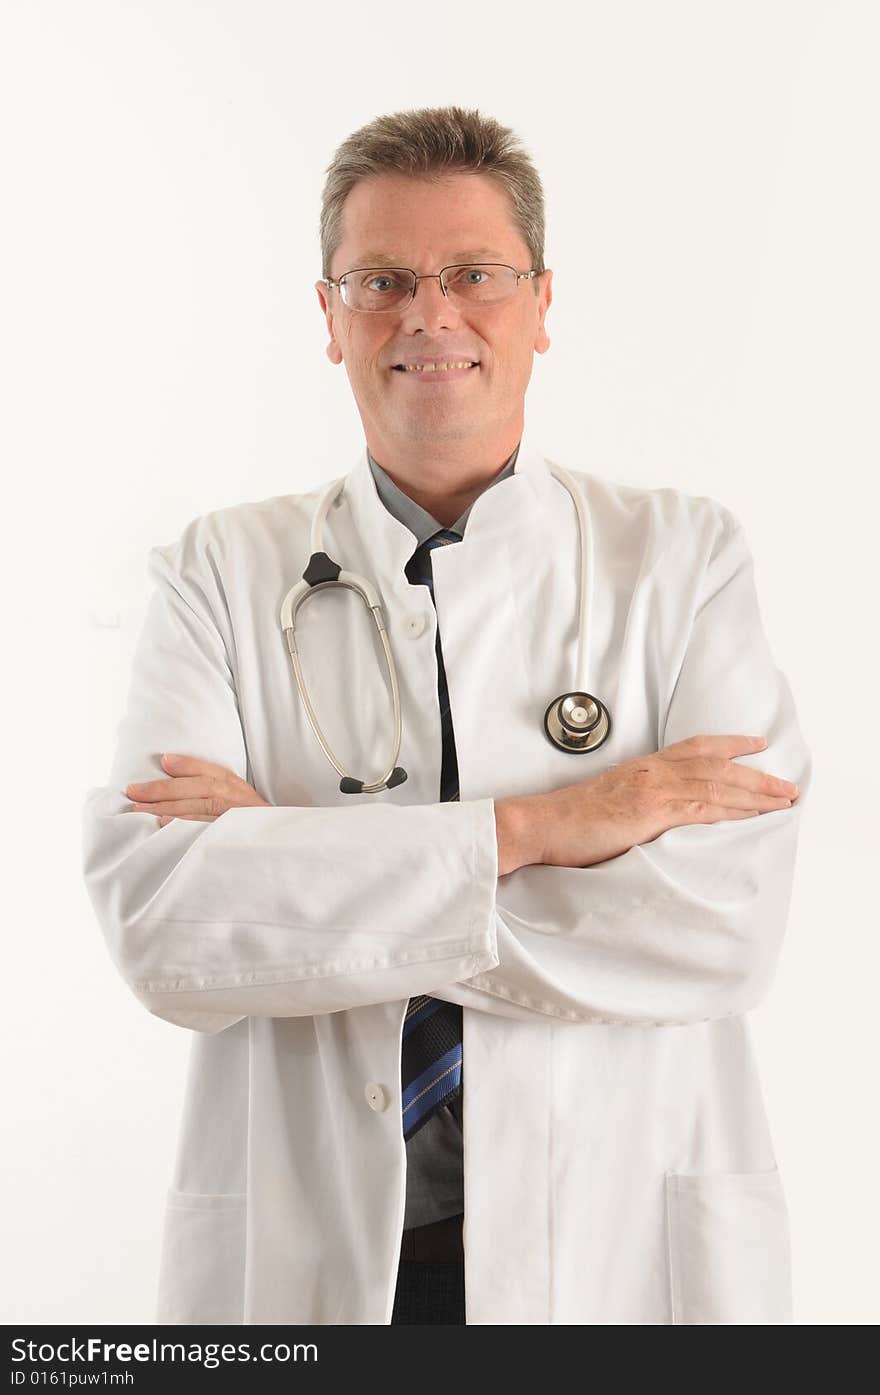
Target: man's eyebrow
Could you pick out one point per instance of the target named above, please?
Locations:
(368, 259)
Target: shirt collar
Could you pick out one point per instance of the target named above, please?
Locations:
(421, 523)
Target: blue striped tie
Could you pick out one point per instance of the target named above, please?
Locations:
(431, 1056)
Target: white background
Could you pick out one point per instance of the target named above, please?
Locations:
(711, 183)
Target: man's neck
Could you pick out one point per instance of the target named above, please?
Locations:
(443, 486)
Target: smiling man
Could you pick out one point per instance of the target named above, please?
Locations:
(442, 435)
(471, 1040)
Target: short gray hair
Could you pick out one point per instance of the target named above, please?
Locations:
(429, 143)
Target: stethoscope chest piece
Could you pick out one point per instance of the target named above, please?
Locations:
(577, 722)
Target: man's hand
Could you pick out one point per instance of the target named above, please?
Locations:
(690, 781)
(195, 789)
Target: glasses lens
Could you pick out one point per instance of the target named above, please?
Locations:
(383, 288)
(390, 288)
(480, 285)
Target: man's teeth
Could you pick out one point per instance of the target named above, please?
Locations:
(435, 367)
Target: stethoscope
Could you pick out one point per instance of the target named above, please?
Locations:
(575, 722)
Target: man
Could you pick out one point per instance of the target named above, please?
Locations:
(473, 1047)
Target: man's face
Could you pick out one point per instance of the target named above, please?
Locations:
(426, 226)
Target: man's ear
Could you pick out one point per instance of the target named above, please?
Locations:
(333, 351)
(545, 296)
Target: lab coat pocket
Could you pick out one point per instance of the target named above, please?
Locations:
(729, 1247)
(201, 1276)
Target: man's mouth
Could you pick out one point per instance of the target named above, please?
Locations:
(446, 367)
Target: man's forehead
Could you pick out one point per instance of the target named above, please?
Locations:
(373, 242)
(370, 257)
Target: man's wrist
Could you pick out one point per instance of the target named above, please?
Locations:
(519, 824)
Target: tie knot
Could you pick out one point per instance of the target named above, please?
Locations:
(443, 535)
(418, 567)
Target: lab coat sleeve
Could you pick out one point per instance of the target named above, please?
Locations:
(689, 926)
(277, 911)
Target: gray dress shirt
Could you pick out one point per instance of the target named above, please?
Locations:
(434, 1155)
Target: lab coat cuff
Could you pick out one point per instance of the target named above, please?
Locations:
(485, 885)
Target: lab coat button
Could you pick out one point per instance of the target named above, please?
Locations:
(414, 625)
(377, 1096)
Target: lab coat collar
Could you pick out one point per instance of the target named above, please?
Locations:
(519, 503)
(421, 523)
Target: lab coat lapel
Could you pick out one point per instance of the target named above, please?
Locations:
(506, 603)
(377, 545)
(506, 600)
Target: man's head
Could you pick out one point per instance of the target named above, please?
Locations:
(421, 190)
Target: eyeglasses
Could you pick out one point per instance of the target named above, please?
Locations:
(385, 288)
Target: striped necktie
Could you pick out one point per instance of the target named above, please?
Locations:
(431, 1056)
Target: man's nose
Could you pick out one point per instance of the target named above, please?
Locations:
(429, 306)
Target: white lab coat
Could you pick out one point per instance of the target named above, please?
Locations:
(618, 1166)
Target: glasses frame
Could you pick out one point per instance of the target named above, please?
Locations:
(330, 282)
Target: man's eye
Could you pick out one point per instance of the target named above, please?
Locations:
(388, 280)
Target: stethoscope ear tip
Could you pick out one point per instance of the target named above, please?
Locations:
(348, 784)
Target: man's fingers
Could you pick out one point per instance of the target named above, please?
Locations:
(171, 789)
(727, 774)
(180, 808)
(725, 746)
(728, 795)
(195, 788)
(194, 765)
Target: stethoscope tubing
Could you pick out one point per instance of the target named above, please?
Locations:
(295, 598)
(585, 586)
